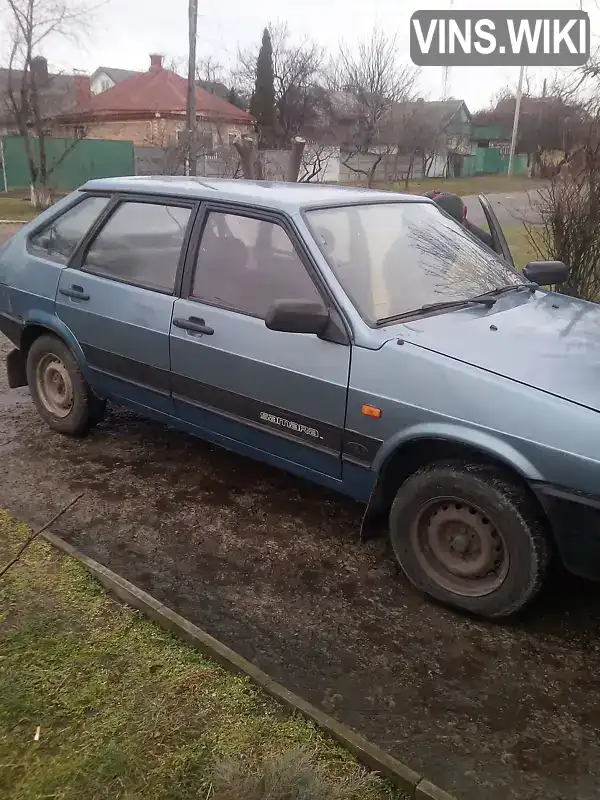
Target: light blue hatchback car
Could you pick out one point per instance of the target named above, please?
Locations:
(362, 340)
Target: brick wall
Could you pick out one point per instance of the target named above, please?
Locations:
(153, 132)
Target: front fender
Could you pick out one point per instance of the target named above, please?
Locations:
(484, 441)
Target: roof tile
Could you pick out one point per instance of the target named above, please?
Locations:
(158, 91)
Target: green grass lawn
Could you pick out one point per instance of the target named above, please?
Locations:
(16, 207)
(480, 184)
(125, 710)
(521, 248)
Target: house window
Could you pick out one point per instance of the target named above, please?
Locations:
(105, 85)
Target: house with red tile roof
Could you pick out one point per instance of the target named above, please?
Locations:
(57, 92)
(149, 109)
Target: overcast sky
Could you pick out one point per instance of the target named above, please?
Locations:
(126, 31)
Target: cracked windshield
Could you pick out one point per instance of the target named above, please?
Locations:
(393, 258)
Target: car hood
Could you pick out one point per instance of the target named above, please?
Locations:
(545, 340)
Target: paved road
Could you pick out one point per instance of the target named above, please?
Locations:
(510, 209)
(273, 567)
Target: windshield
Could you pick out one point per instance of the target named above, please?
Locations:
(393, 258)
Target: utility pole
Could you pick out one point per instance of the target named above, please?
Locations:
(191, 90)
(447, 70)
(515, 131)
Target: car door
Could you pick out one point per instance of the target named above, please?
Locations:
(117, 298)
(500, 244)
(282, 394)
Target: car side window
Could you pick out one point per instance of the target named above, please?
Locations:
(140, 244)
(58, 240)
(245, 264)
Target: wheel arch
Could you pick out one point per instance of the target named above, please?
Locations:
(32, 330)
(404, 455)
(50, 324)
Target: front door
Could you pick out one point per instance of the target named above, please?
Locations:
(118, 300)
(281, 394)
(498, 238)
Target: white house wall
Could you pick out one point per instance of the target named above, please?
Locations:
(99, 83)
(439, 166)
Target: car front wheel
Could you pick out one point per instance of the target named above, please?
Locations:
(469, 537)
(58, 388)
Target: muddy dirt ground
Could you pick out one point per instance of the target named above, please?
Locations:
(273, 567)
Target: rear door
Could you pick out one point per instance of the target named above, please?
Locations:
(500, 244)
(117, 298)
(280, 393)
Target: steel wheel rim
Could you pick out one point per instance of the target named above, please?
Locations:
(54, 386)
(459, 547)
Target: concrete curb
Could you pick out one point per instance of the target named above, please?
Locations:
(366, 753)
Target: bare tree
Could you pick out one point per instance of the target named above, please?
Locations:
(375, 81)
(176, 64)
(210, 71)
(368, 83)
(31, 102)
(315, 160)
(419, 137)
(296, 73)
(569, 209)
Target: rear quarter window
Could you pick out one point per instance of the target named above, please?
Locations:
(58, 239)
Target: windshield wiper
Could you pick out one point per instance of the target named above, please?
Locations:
(486, 299)
(441, 306)
(494, 294)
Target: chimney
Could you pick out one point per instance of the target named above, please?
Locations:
(156, 62)
(39, 70)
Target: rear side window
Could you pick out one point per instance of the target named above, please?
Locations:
(140, 244)
(58, 240)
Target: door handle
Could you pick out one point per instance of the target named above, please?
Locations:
(76, 292)
(193, 324)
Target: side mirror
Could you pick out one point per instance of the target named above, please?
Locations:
(297, 316)
(546, 273)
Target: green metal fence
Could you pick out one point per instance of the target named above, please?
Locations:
(491, 160)
(71, 162)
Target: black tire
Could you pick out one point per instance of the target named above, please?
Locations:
(494, 521)
(84, 409)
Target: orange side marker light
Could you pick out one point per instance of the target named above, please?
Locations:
(371, 411)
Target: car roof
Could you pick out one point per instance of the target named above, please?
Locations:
(269, 194)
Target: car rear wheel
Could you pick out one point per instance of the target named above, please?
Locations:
(60, 392)
(469, 537)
